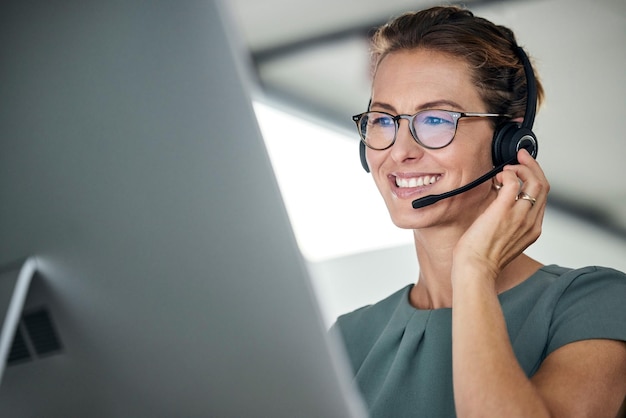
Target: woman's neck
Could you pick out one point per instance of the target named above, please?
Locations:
(434, 249)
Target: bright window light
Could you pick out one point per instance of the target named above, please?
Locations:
(334, 206)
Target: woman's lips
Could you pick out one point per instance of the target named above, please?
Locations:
(404, 185)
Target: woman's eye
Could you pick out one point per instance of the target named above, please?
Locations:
(382, 121)
(436, 121)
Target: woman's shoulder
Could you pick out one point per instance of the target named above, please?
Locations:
(364, 325)
(375, 314)
(600, 287)
(586, 303)
(559, 271)
(563, 280)
(560, 289)
(553, 281)
(360, 329)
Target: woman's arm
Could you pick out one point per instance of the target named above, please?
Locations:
(581, 379)
(586, 378)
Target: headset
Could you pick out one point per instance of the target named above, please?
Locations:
(508, 139)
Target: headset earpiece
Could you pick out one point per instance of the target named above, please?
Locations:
(363, 157)
(511, 136)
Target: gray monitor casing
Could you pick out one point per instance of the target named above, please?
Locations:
(134, 176)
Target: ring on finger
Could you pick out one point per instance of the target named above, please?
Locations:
(526, 196)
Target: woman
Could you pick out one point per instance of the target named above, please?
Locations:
(486, 330)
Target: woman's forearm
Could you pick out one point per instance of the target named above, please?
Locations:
(488, 380)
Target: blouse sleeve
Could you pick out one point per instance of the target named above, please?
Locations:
(591, 306)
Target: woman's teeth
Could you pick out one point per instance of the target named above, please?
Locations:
(416, 181)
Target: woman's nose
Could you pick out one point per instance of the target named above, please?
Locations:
(405, 147)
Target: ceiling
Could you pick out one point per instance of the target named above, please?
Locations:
(311, 57)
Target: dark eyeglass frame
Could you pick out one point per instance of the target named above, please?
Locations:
(456, 116)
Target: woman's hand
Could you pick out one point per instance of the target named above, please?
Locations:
(510, 224)
(488, 380)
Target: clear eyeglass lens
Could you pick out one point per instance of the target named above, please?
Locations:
(378, 129)
(435, 128)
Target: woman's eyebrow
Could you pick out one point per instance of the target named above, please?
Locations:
(385, 106)
(439, 103)
(435, 104)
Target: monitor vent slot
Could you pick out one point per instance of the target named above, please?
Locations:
(19, 350)
(41, 332)
(35, 337)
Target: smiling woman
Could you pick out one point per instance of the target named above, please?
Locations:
(485, 330)
(456, 159)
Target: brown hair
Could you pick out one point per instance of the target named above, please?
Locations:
(489, 49)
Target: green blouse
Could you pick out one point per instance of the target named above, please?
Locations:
(402, 357)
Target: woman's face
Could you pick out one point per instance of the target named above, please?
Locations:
(405, 83)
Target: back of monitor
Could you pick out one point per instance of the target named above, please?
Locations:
(134, 179)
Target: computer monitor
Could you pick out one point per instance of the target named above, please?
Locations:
(139, 205)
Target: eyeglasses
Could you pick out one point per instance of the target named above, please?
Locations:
(431, 128)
